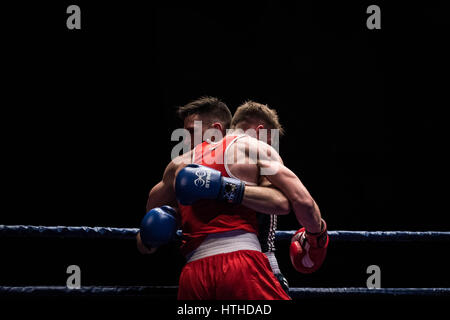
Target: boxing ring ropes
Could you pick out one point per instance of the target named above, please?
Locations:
(82, 232)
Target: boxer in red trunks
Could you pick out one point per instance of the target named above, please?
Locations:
(208, 113)
(212, 113)
(224, 259)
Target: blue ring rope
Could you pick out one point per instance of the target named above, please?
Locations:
(130, 233)
(172, 290)
(87, 290)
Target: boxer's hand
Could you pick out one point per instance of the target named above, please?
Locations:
(308, 251)
(195, 182)
(158, 227)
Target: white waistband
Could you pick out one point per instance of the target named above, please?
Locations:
(225, 242)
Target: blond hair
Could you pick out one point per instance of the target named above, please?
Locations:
(252, 111)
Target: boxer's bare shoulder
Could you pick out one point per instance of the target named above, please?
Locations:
(253, 147)
(240, 162)
(246, 155)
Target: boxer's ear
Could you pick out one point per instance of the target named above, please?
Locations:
(257, 130)
(218, 126)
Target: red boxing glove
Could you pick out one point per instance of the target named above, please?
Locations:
(308, 250)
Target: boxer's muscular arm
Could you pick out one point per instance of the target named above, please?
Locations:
(270, 165)
(160, 195)
(163, 193)
(265, 198)
(305, 208)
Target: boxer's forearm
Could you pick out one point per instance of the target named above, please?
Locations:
(306, 210)
(265, 200)
(308, 215)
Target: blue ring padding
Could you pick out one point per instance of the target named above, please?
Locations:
(130, 233)
(172, 290)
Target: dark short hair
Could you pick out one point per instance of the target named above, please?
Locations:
(210, 106)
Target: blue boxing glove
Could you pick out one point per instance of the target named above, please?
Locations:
(158, 226)
(195, 182)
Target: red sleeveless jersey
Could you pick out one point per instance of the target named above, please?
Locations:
(206, 217)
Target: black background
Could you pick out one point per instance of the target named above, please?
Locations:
(87, 116)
